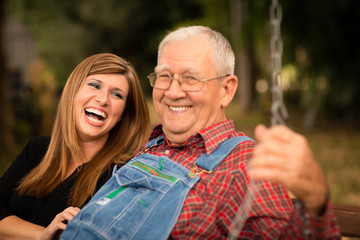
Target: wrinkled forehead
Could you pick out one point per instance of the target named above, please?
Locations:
(192, 55)
(167, 68)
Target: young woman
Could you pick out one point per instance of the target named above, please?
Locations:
(101, 121)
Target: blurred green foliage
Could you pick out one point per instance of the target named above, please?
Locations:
(69, 31)
(320, 58)
(319, 38)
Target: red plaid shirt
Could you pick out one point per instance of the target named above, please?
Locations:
(213, 202)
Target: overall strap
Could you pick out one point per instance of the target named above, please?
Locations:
(210, 162)
(155, 141)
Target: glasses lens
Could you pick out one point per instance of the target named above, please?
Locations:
(191, 83)
(188, 82)
(152, 78)
(162, 81)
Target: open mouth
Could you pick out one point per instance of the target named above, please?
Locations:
(95, 115)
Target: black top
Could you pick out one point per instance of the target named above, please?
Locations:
(40, 211)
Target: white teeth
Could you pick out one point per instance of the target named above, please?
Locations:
(178, 109)
(95, 120)
(95, 111)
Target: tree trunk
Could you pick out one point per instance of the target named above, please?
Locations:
(242, 53)
(7, 143)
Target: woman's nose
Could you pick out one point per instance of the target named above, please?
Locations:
(102, 98)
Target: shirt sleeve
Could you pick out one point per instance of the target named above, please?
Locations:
(29, 157)
(303, 225)
(269, 213)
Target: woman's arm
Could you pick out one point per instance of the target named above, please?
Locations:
(29, 157)
(13, 227)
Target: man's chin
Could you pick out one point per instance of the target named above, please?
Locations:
(178, 135)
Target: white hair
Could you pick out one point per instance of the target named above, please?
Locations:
(223, 59)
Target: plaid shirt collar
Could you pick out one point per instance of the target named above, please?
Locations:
(211, 137)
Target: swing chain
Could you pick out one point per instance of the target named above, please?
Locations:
(278, 112)
(278, 109)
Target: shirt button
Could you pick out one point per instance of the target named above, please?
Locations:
(167, 151)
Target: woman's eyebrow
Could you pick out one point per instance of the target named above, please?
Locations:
(95, 79)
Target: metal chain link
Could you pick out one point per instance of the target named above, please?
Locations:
(278, 109)
(278, 112)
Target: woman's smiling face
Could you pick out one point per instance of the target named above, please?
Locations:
(99, 105)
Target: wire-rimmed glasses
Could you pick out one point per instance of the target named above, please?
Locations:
(188, 82)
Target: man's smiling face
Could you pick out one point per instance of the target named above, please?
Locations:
(185, 113)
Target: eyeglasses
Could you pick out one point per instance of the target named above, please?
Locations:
(188, 82)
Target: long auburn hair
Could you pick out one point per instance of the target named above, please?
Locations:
(124, 139)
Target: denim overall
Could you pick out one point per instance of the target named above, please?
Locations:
(143, 199)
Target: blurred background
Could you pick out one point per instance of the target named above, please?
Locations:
(42, 41)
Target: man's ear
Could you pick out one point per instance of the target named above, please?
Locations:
(229, 86)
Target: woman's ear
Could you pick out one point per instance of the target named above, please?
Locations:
(229, 86)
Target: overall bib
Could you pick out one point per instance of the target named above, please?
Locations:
(143, 199)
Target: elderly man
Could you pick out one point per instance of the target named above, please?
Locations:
(196, 171)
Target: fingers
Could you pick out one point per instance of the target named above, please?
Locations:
(275, 146)
(59, 222)
(259, 131)
(72, 211)
(283, 151)
(279, 132)
(285, 157)
(65, 216)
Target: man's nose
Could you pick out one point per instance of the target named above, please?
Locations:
(175, 89)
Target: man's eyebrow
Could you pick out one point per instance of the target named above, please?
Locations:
(166, 67)
(161, 67)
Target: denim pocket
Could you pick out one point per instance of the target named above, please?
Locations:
(141, 175)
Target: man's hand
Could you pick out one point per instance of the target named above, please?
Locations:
(285, 157)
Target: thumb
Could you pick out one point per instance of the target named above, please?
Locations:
(259, 131)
